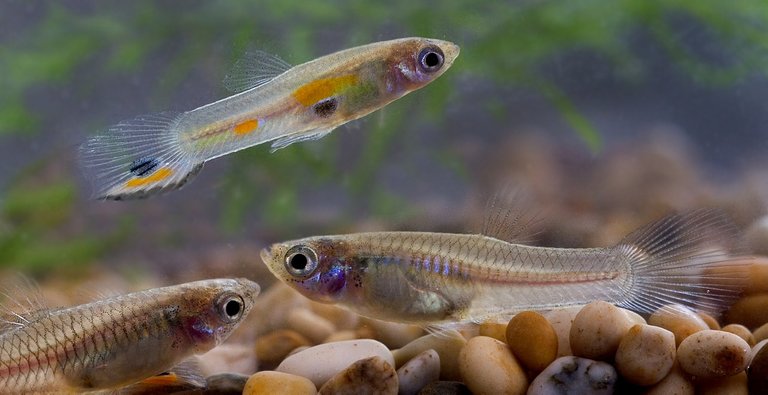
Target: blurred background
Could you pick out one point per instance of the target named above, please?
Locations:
(609, 114)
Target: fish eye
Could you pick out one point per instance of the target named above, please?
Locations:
(230, 307)
(431, 59)
(300, 261)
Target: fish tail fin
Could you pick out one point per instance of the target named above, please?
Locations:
(137, 158)
(691, 259)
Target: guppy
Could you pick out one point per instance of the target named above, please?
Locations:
(120, 340)
(438, 278)
(276, 102)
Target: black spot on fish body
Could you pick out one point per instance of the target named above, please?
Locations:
(326, 107)
(143, 166)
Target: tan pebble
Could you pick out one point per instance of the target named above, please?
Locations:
(597, 331)
(393, 334)
(679, 320)
(756, 236)
(270, 382)
(223, 383)
(740, 331)
(447, 344)
(340, 336)
(228, 358)
(340, 318)
(757, 375)
(488, 367)
(758, 276)
(365, 332)
(321, 362)
(561, 320)
(372, 375)
(532, 340)
(711, 353)
(297, 350)
(675, 383)
(709, 320)
(276, 345)
(418, 372)
(755, 349)
(309, 324)
(750, 311)
(634, 317)
(646, 354)
(761, 333)
(729, 385)
(274, 305)
(493, 329)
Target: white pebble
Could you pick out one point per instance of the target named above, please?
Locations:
(321, 362)
(561, 320)
(418, 372)
(574, 375)
(646, 354)
(597, 331)
(710, 353)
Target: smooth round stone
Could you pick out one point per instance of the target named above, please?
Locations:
(275, 346)
(755, 349)
(711, 353)
(445, 388)
(269, 382)
(574, 375)
(372, 375)
(561, 320)
(646, 354)
(321, 362)
(709, 320)
(757, 373)
(312, 326)
(730, 385)
(634, 317)
(274, 305)
(488, 367)
(758, 275)
(740, 331)
(676, 382)
(597, 331)
(493, 329)
(418, 372)
(228, 358)
(750, 311)
(761, 333)
(393, 334)
(447, 344)
(342, 335)
(679, 320)
(756, 236)
(532, 340)
(340, 318)
(225, 383)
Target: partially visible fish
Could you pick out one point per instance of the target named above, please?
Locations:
(439, 278)
(120, 340)
(276, 102)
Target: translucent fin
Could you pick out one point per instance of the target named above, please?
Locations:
(509, 217)
(285, 141)
(137, 158)
(21, 303)
(690, 259)
(185, 376)
(254, 69)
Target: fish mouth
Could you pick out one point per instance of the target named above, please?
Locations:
(266, 255)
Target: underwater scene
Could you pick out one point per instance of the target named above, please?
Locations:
(498, 197)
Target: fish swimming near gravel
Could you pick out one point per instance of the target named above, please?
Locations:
(118, 341)
(440, 278)
(274, 102)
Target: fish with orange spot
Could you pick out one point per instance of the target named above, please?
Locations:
(274, 102)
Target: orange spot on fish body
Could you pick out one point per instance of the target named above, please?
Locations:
(312, 92)
(246, 126)
(161, 379)
(159, 175)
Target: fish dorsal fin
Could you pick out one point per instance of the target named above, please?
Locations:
(21, 302)
(308, 135)
(509, 216)
(254, 69)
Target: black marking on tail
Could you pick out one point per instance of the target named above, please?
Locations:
(143, 166)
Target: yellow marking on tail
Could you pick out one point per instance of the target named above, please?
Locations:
(159, 175)
(162, 379)
(247, 126)
(310, 93)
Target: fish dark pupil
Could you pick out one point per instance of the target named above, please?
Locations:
(432, 60)
(143, 166)
(232, 308)
(325, 108)
(299, 262)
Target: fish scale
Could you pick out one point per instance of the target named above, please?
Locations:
(120, 340)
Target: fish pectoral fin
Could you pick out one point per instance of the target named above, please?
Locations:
(254, 69)
(308, 135)
(186, 376)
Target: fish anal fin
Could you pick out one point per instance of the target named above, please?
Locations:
(309, 135)
(254, 69)
(186, 376)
